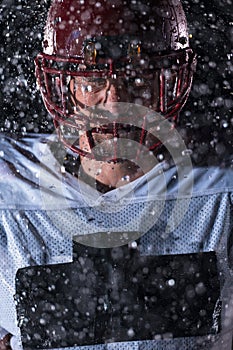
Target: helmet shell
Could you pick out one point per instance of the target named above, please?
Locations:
(160, 25)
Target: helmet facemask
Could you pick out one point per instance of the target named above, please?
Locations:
(71, 86)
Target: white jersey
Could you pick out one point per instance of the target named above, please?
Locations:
(42, 207)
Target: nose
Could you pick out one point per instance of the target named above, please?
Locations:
(117, 92)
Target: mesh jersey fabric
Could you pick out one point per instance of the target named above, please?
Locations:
(37, 224)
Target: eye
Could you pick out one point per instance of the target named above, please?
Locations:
(95, 81)
(89, 84)
(93, 85)
(139, 82)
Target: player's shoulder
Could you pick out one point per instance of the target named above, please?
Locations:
(169, 181)
(29, 172)
(20, 155)
(31, 166)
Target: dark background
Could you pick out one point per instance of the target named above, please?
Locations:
(208, 112)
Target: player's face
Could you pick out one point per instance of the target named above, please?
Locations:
(91, 91)
(94, 91)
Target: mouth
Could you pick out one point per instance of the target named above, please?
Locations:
(113, 131)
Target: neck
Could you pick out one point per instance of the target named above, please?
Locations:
(111, 174)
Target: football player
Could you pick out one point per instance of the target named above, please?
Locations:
(114, 75)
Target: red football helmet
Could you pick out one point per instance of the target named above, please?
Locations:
(140, 49)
